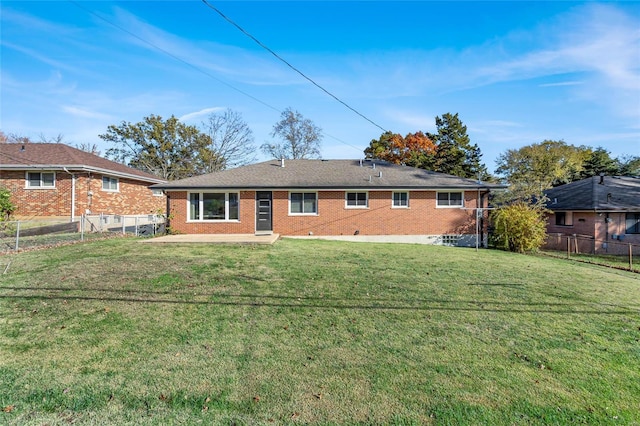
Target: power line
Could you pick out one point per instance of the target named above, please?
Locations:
(289, 65)
(166, 52)
(200, 70)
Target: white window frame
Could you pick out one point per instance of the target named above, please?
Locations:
(346, 200)
(393, 200)
(156, 192)
(303, 213)
(111, 180)
(200, 213)
(41, 181)
(449, 206)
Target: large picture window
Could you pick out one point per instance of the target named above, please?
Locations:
(450, 199)
(303, 203)
(357, 200)
(41, 180)
(633, 223)
(214, 206)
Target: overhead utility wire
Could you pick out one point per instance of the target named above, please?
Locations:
(190, 65)
(289, 65)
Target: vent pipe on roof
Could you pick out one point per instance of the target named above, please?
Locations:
(374, 165)
(361, 162)
(282, 162)
(369, 178)
(380, 174)
(22, 148)
(601, 178)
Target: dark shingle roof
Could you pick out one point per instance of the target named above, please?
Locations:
(325, 174)
(56, 156)
(597, 193)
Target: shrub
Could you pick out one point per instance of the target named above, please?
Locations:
(6, 206)
(519, 227)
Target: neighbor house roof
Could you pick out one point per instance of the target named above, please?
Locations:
(325, 174)
(601, 193)
(56, 156)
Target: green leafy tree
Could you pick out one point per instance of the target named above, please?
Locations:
(534, 168)
(629, 165)
(519, 227)
(300, 137)
(6, 206)
(168, 148)
(455, 155)
(599, 161)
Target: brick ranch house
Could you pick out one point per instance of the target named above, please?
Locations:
(56, 181)
(602, 211)
(329, 198)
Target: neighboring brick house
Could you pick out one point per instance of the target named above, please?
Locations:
(329, 198)
(55, 181)
(602, 211)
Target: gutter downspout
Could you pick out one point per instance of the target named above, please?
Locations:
(73, 194)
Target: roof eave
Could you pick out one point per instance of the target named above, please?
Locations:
(81, 168)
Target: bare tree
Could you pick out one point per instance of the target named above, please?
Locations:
(59, 138)
(91, 148)
(300, 137)
(232, 142)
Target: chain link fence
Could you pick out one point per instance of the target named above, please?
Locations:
(18, 236)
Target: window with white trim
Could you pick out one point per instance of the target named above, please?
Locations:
(303, 203)
(355, 200)
(109, 183)
(400, 199)
(214, 206)
(632, 222)
(41, 180)
(156, 192)
(450, 199)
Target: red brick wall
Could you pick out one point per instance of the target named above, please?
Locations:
(594, 225)
(132, 198)
(421, 218)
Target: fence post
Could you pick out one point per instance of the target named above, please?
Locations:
(630, 257)
(124, 224)
(17, 235)
(568, 247)
(82, 219)
(136, 222)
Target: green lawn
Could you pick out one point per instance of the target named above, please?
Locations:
(314, 332)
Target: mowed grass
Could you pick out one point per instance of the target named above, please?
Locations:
(314, 332)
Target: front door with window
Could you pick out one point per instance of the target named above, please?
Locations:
(263, 211)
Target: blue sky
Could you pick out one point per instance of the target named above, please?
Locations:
(517, 73)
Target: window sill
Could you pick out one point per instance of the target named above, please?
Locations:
(40, 188)
(214, 221)
(303, 214)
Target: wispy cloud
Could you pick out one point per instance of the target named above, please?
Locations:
(199, 114)
(85, 113)
(562, 84)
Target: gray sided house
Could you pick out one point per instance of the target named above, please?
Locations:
(605, 209)
(329, 198)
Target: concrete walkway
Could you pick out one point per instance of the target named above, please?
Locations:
(215, 239)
